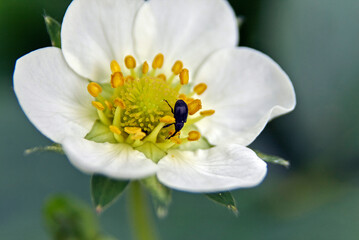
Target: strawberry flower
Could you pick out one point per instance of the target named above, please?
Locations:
(101, 96)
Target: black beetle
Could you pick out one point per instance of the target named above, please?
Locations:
(180, 113)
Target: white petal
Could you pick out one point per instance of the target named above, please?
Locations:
(52, 96)
(96, 32)
(114, 160)
(184, 30)
(246, 89)
(221, 168)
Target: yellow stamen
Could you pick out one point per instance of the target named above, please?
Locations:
(184, 76)
(108, 104)
(119, 103)
(138, 136)
(193, 136)
(162, 76)
(194, 106)
(130, 62)
(132, 130)
(183, 97)
(145, 68)
(176, 140)
(177, 67)
(200, 88)
(94, 89)
(158, 61)
(207, 113)
(115, 129)
(98, 105)
(115, 67)
(189, 100)
(168, 119)
(117, 80)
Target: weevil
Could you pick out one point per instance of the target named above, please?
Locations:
(180, 113)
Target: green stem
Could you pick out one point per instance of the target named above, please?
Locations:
(141, 219)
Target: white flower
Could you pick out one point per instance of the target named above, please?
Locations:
(245, 88)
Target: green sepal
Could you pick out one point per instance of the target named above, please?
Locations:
(70, 218)
(272, 159)
(151, 151)
(225, 199)
(54, 30)
(161, 195)
(105, 191)
(57, 148)
(100, 133)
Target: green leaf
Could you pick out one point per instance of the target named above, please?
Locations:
(151, 151)
(161, 195)
(272, 159)
(224, 198)
(105, 191)
(68, 218)
(54, 30)
(52, 148)
(100, 133)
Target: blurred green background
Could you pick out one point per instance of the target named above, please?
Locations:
(316, 43)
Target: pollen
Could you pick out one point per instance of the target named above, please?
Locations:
(130, 62)
(115, 129)
(184, 76)
(194, 106)
(167, 119)
(145, 68)
(115, 67)
(158, 61)
(117, 80)
(94, 89)
(207, 113)
(132, 130)
(98, 105)
(194, 136)
(177, 67)
(119, 103)
(200, 88)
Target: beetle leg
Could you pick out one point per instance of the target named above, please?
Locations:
(168, 105)
(168, 125)
(172, 135)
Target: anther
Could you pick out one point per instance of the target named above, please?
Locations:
(115, 67)
(98, 105)
(115, 129)
(158, 61)
(193, 136)
(194, 106)
(132, 130)
(162, 76)
(207, 113)
(117, 80)
(108, 104)
(176, 140)
(94, 89)
(119, 103)
(130, 62)
(168, 119)
(138, 136)
(182, 97)
(200, 88)
(177, 67)
(145, 68)
(184, 76)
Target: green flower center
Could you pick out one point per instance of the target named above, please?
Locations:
(132, 108)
